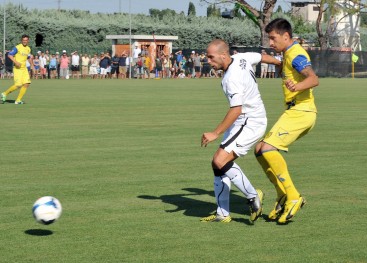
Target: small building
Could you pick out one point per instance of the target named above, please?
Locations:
(154, 44)
(307, 10)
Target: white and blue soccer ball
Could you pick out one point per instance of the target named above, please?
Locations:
(46, 210)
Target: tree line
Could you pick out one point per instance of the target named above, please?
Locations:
(57, 30)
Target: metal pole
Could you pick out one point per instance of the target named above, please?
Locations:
(130, 56)
(4, 30)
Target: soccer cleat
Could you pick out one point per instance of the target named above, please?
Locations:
(3, 97)
(216, 218)
(256, 205)
(290, 209)
(278, 208)
(19, 102)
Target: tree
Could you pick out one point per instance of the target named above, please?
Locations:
(262, 16)
(333, 12)
(161, 13)
(192, 10)
(212, 10)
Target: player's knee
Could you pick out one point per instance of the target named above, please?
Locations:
(219, 169)
(257, 150)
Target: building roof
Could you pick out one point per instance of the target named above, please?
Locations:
(142, 37)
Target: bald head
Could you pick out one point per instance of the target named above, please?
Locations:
(220, 45)
(218, 54)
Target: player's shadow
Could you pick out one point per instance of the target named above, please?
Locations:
(38, 232)
(190, 205)
(8, 101)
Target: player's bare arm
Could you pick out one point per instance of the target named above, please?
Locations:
(309, 82)
(228, 120)
(16, 63)
(265, 58)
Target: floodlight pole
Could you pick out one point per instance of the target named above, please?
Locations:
(4, 30)
(130, 55)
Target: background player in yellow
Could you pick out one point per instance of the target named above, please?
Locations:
(19, 55)
(298, 119)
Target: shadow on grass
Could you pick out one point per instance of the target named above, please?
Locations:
(38, 232)
(8, 101)
(191, 206)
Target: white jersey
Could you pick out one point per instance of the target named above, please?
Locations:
(240, 85)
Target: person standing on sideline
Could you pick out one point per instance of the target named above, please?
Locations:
(75, 62)
(264, 67)
(243, 125)
(19, 55)
(297, 120)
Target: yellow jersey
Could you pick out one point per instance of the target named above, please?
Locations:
(21, 54)
(295, 60)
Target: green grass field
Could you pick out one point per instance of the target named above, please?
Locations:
(124, 159)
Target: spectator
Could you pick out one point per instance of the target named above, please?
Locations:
(181, 75)
(85, 65)
(123, 65)
(75, 60)
(271, 68)
(53, 67)
(197, 65)
(136, 53)
(47, 65)
(279, 57)
(264, 66)
(8, 66)
(189, 65)
(42, 60)
(139, 67)
(166, 66)
(158, 67)
(36, 67)
(173, 68)
(104, 64)
(179, 58)
(2, 66)
(144, 52)
(115, 66)
(58, 64)
(206, 67)
(64, 65)
(147, 65)
(93, 71)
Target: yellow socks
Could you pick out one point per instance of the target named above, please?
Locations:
(277, 167)
(272, 177)
(22, 91)
(10, 90)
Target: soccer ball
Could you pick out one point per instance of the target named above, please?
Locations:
(46, 210)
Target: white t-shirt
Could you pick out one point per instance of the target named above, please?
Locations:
(75, 60)
(136, 52)
(240, 85)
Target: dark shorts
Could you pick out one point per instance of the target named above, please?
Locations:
(114, 70)
(74, 68)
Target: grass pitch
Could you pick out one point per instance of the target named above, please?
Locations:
(124, 159)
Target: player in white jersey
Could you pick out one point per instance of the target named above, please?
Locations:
(243, 125)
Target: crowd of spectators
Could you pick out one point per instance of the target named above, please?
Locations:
(48, 65)
(66, 65)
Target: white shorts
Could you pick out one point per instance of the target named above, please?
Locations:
(103, 71)
(93, 70)
(243, 134)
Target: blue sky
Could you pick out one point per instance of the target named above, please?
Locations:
(137, 6)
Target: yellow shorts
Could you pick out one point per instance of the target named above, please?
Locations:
(21, 76)
(291, 126)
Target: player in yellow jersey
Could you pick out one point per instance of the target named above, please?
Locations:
(297, 120)
(19, 55)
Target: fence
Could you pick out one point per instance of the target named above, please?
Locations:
(328, 63)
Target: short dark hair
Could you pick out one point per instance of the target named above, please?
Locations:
(25, 36)
(280, 26)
